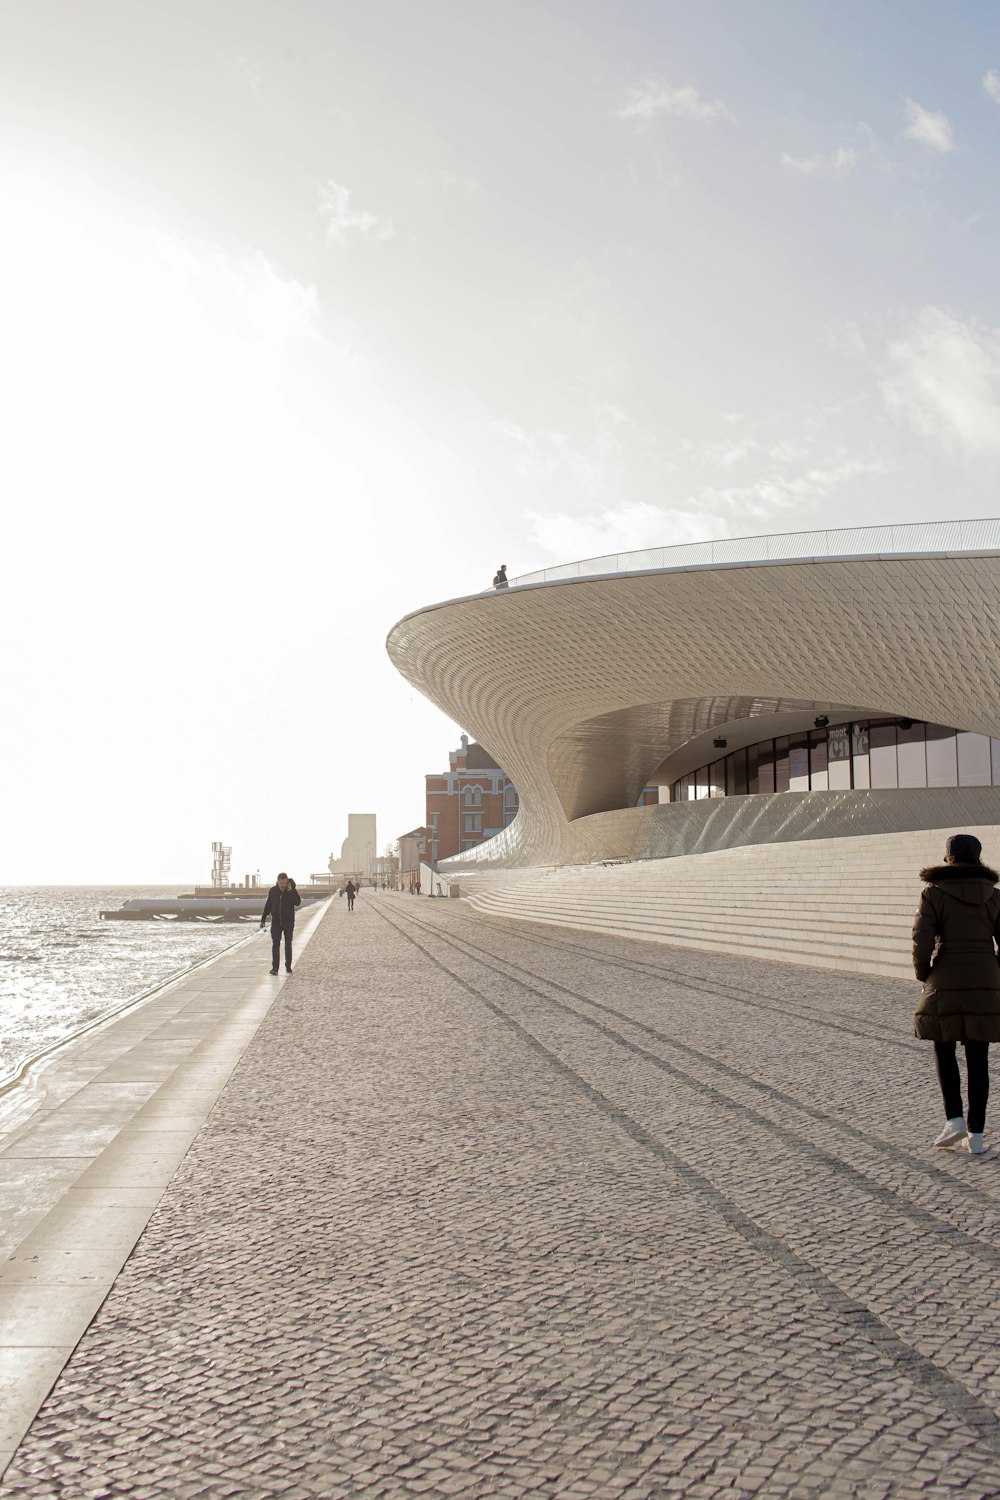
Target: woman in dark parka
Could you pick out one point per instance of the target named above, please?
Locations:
(956, 933)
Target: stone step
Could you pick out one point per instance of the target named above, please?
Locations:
(845, 904)
(792, 933)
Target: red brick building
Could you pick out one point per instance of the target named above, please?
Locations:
(469, 803)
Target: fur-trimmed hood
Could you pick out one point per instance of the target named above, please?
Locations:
(940, 874)
(971, 884)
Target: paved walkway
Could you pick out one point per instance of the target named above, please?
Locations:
(489, 1209)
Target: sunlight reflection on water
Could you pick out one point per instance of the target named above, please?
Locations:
(61, 966)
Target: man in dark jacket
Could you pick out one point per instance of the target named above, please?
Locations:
(282, 899)
(956, 933)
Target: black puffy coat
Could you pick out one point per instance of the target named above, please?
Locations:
(955, 937)
(281, 906)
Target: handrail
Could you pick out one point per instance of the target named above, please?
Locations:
(908, 539)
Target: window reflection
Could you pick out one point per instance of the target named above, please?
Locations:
(882, 756)
(753, 769)
(942, 756)
(911, 754)
(860, 760)
(781, 765)
(973, 759)
(739, 764)
(880, 753)
(798, 763)
(818, 761)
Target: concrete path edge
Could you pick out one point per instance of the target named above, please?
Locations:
(102, 1197)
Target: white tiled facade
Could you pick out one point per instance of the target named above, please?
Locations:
(581, 689)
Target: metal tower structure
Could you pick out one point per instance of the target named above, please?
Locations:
(222, 858)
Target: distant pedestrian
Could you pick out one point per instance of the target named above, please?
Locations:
(500, 577)
(956, 934)
(282, 899)
(352, 891)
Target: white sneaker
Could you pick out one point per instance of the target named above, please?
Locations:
(953, 1132)
(975, 1144)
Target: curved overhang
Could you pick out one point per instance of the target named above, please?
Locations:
(586, 689)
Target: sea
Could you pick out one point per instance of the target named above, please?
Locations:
(61, 966)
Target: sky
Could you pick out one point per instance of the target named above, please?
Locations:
(313, 312)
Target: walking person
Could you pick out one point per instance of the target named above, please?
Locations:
(282, 899)
(956, 934)
(351, 891)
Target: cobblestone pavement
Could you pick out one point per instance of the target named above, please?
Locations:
(492, 1210)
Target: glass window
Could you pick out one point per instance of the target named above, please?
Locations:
(942, 758)
(882, 753)
(839, 757)
(839, 775)
(860, 769)
(753, 778)
(701, 782)
(973, 759)
(911, 756)
(839, 741)
(717, 779)
(739, 760)
(765, 766)
(781, 764)
(798, 763)
(819, 779)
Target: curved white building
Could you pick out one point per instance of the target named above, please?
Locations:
(777, 688)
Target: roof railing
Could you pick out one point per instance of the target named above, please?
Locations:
(940, 538)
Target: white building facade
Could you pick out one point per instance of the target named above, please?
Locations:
(774, 688)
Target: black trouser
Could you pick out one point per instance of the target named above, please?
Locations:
(977, 1063)
(276, 933)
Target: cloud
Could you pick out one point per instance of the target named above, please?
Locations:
(837, 164)
(440, 179)
(563, 537)
(991, 85)
(648, 100)
(944, 378)
(786, 485)
(343, 220)
(930, 127)
(247, 71)
(844, 336)
(549, 458)
(774, 501)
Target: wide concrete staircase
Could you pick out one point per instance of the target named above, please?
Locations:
(845, 903)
